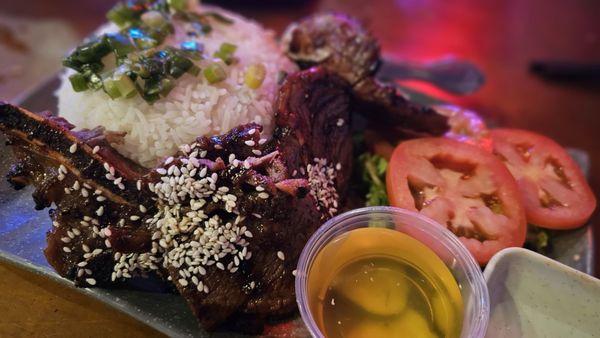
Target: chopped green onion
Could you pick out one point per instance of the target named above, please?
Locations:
(120, 45)
(225, 52)
(194, 70)
(166, 85)
(255, 75)
(78, 82)
(228, 48)
(110, 87)
(153, 19)
(178, 5)
(178, 65)
(121, 15)
(124, 85)
(214, 73)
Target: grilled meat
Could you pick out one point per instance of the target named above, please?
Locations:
(343, 46)
(224, 219)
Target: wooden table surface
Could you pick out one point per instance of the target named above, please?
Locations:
(501, 36)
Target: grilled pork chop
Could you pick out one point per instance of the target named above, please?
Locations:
(224, 219)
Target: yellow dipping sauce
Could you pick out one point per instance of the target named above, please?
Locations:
(378, 282)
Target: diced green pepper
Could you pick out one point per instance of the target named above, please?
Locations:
(78, 82)
(214, 73)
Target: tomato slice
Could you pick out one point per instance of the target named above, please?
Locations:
(462, 187)
(466, 126)
(553, 188)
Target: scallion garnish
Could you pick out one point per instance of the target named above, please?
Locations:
(225, 52)
(214, 73)
(178, 5)
(122, 15)
(78, 82)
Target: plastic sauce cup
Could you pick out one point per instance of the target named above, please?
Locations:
(441, 241)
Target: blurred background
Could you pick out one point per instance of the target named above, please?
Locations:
(502, 37)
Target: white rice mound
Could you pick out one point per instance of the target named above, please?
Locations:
(194, 107)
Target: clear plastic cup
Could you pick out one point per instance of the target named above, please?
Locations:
(441, 241)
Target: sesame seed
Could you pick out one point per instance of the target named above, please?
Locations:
(183, 282)
(66, 249)
(107, 243)
(61, 177)
(138, 184)
(256, 152)
(109, 176)
(121, 186)
(134, 218)
(66, 239)
(100, 211)
(262, 141)
(218, 146)
(90, 281)
(84, 192)
(250, 143)
(96, 149)
(340, 122)
(82, 264)
(100, 198)
(220, 266)
(73, 148)
(294, 273)
(143, 209)
(231, 158)
(117, 180)
(161, 171)
(248, 234)
(280, 255)
(84, 223)
(75, 185)
(76, 231)
(263, 195)
(259, 188)
(169, 160)
(106, 166)
(85, 248)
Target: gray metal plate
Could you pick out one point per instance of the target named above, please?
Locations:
(23, 232)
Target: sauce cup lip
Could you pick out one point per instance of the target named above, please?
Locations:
(337, 225)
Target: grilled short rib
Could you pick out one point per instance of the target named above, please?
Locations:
(224, 220)
(343, 46)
